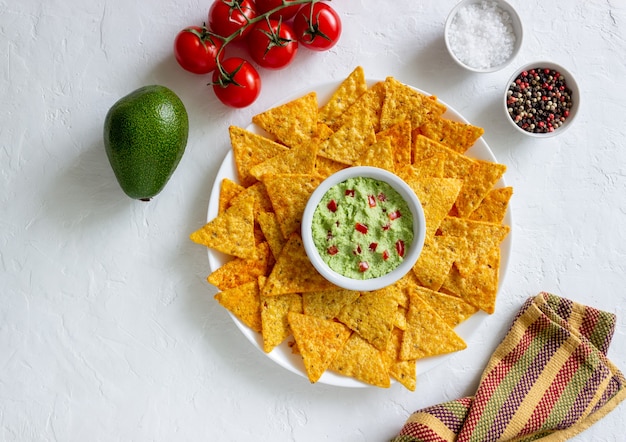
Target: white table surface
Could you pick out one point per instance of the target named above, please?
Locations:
(108, 328)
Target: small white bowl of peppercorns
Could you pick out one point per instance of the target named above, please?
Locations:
(541, 99)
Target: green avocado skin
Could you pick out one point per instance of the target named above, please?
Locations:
(145, 135)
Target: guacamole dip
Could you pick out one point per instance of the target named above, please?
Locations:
(362, 228)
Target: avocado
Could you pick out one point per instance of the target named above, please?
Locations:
(145, 135)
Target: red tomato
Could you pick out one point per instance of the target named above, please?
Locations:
(229, 16)
(196, 50)
(286, 12)
(238, 85)
(272, 44)
(317, 26)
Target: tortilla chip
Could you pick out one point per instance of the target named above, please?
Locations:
(250, 149)
(240, 271)
(400, 135)
(458, 136)
(325, 167)
(361, 360)
(300, 159)
(257, 191)
(319, 341)
(434, 166)
(293, 272)
(493, 207)
(350, 142)
(437, 195)
(477, 185)
(348, 91)
(400, 319)
(271, 231)
(244, 302)
(228, 190)
(427, 334)
(403, 371)
(231, 232)
(456, 165)
(367, 107)
(436, 259)
(289, 194)
(402, 102)
(399, 291)
(293, 123)
(371, 316)
(379, 154)
(327, 304)
(480, 239)
(481, 286)
(274, 324)
(452, 309)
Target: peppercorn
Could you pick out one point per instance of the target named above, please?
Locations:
(538, 100)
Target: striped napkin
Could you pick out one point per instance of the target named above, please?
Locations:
(549, 379)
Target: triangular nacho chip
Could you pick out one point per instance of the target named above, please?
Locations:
(427, 334)
(325, 167)
(327, 304)
(348, 91)
(458, 136)
(271, 231)
(293, 272)
(477, 185)
(274, 324)
(367, 106)
(480, 239)
(289, 194)
(293, 123)
(250, 149)
(402, 102)
(400, 135)
(258, 192)
(350, 141)
(456, 165)
(436, 259)
(437, 195)
(481, 286)
(361, 360)
(403, 371)
(231, 232)
(452, 309)
(240, 271)
(493, 207)
(300, 160)
(379, 154)
(244, 302)
(319, 341)
(372, 316)
(228, 190)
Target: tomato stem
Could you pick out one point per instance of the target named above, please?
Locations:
(226, 77)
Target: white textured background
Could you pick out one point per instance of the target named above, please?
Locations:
(108, 329)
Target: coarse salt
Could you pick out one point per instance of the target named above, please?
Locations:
(481, 35)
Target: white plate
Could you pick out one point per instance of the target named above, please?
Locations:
(282, 354)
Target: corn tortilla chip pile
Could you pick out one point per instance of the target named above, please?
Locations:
(272, 287)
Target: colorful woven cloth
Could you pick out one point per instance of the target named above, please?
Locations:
(548, 380)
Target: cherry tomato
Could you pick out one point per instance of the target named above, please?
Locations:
(286, 13)
(195, 50)
(272, 44)
(238, 85)
(317, 26)
(229, 16)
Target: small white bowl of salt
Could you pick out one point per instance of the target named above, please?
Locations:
(483, 35)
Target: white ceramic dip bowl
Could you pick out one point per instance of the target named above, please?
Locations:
(410, 252)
